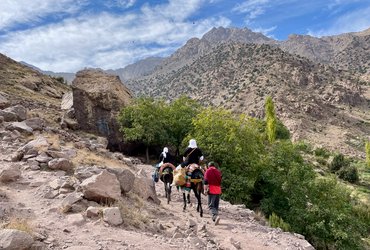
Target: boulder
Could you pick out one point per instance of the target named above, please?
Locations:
(35, 123)
(8, 116)
(9, 173)
(125, 177)
(93, 212)
(38, 144)
(69, 200)
(67, 101)
(21, 127)
(95, 188)
(144, 187)
(43, 158)
(97, 99)
(12, 239)
(60, 164)
(84, 172)
(112, 216)
(19, 110)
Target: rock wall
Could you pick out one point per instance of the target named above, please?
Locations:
(97, 99)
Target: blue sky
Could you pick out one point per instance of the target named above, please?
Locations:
(69, 35)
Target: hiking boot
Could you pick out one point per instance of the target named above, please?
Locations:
(217, 220)
(214, 217)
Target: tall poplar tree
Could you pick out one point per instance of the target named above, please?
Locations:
(270, 119)
(367, 149)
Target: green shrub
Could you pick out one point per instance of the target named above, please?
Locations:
(303, 147)
(367, 149)
(322, 152)
(276, 221)
(349, 174)
(337, 163)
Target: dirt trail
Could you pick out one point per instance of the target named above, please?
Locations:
(168, 226)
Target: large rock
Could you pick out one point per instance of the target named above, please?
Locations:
(11, 239)
(39, 144)
(21, 127)
(112, 215)
(19, 110)
(8, 116)
(97, 99)
(144, 187)
(102, 187)
(125, 177)
(35, 123)
(9, 172)
(60, 164)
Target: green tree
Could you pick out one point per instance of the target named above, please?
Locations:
(178, 119)
(330, 218)
(144, 121)
(235, 143)
(270, 119)
(367, 149)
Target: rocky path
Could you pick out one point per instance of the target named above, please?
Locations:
(168, 228)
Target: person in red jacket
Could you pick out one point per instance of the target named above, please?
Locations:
(212, 181)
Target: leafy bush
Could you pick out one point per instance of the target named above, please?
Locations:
(349, 174)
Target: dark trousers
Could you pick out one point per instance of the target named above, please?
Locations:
(213, 201)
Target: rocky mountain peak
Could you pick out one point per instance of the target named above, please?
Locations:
(245, 35)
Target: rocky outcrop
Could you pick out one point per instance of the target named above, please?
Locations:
(97, 99)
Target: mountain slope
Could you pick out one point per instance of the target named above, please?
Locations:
(350, 51)
(309, 97)
(23, 85)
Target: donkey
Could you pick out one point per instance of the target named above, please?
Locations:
(196, 184)
(166, 176)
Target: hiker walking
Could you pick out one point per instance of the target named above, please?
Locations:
(212, 181)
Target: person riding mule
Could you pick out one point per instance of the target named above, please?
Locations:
(192, 154)
(164, 157)
(193, 174)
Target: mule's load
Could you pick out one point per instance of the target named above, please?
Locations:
(179, 177)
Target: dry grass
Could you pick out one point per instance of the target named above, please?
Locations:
(260, 217)
(19, 224)
(132, 211)
(86, 157)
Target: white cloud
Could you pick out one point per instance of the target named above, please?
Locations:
(14, 12)
(265, 31)
(252, 9)
(106, 40)
(351, 22)
(120, 3)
